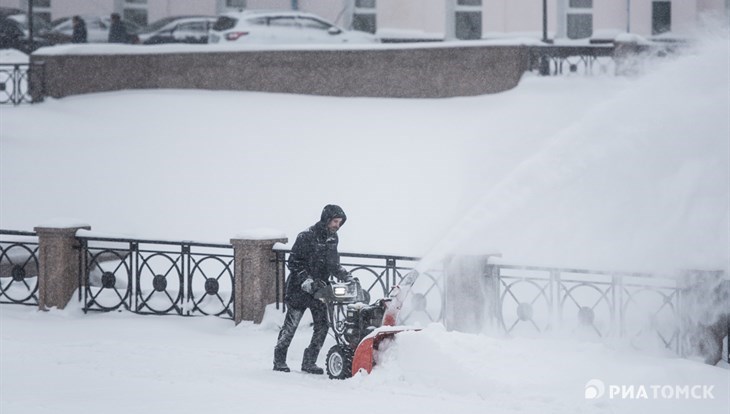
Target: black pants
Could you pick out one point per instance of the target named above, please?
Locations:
(291, 322)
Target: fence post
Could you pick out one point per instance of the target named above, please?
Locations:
(255, 272)
(58, 265)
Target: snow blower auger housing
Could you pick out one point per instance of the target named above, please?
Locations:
(359, 327)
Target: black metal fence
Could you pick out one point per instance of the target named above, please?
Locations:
(378, 274)
(638, 306)
(551, 60)
(156, 277)
(15, 83)
(18, 267)
(188, 278)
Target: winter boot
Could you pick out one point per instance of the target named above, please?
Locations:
(280, 360)
(309, 362)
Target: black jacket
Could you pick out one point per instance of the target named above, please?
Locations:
(79, 33)
(118, 33)
(314, 255)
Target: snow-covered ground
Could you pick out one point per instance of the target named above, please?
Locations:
(68, 362)
(598, 172)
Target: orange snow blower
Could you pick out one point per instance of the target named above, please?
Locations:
(358, 327)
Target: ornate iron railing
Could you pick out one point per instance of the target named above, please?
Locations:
(378, 274)
(189, 278)
(639, 306)
(15, 83)
(18, 267)
(156, 277)
(552, 60)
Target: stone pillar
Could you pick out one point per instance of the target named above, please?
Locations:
(704, 314)
(59, 264)
(255, 277)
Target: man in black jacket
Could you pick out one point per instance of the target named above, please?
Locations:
(117, 31)
(313, 261)
(79, 34)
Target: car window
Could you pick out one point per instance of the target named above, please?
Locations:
(192, 27)
(257, 21)
(159, 24)
(283, 21)
(224, 23)
(310, 23)
(95, 24)
(64, 26)
(56, 22)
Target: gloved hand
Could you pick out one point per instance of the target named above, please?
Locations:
(309, 286)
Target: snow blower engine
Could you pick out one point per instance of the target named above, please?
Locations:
(359, 327)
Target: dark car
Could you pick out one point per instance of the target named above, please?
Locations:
(12, 36)
(177, 29)
(43, 33)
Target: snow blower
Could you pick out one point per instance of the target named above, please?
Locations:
(359, 327)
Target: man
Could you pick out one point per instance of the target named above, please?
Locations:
(117, 31)
(79, 34)
(313, 260)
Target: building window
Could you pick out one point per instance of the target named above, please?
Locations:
(581, 4)
(580, 19)
(135, 11)
(236, 4)
(661, 17)
(364, 17)
(138, 16)
(42, 10)
(580, 26)
(468, 19)
(365, 4)
(468, 25)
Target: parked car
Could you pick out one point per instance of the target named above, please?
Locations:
(282, 27)
(97, 27)
(43, 32)
(177, 29)
(14, 34)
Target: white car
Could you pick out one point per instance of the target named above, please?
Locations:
(274, 27)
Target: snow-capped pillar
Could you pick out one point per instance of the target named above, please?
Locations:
(59, 264)
(254, 276)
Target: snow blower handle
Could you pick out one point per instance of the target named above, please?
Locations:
(311, 286)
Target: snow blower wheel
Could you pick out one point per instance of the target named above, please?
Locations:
(339, 362)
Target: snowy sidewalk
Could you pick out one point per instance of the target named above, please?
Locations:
(67, 362)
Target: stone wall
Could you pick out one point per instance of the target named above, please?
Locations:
(407, 72)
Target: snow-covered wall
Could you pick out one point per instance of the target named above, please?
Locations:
(427, 72)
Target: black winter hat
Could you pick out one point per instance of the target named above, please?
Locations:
(332, 211)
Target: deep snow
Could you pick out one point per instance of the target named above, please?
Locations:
(601, 172)
(598, 172)
(68, 362)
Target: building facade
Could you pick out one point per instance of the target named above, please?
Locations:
(437, 19)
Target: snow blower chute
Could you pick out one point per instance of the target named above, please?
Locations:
(359, 327)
